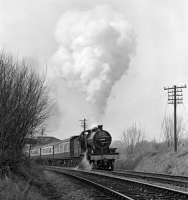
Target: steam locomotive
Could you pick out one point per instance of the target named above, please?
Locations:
(94, 143)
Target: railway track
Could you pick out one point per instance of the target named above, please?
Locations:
(154, 174)
(180, 181)
(122, 187)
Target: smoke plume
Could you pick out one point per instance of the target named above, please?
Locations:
(95, 47)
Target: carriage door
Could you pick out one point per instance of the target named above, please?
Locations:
(77, 147)
(72, 147)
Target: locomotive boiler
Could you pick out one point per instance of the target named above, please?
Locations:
(94, 143)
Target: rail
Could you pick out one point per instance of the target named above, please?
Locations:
(123, 187)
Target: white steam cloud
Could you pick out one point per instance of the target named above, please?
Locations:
(95, 47)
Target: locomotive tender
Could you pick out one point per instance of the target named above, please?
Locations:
(95, 143)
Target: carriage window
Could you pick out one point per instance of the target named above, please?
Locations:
(47, 150)
(57, 148)
(61, 147)
(66, 147)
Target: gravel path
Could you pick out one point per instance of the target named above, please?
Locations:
(72, 189)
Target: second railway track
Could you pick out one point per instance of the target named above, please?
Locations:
(122, 187)
(173, 180)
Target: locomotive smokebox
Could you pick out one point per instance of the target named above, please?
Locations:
(102, 139)
(99, 138)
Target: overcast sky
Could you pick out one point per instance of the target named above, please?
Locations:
(160, 29)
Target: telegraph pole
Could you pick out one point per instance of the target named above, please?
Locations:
(83, 134)
(84, 123)
(175, 96)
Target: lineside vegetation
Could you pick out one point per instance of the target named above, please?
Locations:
(23, 109)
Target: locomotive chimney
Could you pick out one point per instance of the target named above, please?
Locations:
(100, 127)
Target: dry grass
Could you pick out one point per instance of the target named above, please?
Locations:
(130, 161)
(28, 182)
(155, 157)
(166, 162)
(18, 190)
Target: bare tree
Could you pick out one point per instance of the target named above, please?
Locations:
(168, 129)
(132, 136)
(23, 107)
